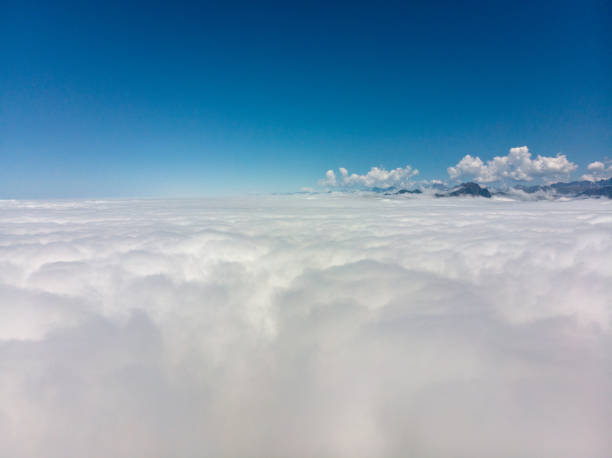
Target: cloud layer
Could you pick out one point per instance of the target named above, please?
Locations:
(517, 165)
(305, 326)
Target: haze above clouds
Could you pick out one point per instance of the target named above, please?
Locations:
(301, 326)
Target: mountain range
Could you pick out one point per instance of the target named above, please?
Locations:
(601, 188)
(573, 189)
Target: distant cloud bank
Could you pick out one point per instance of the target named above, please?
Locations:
(598, 171)
(375, 178)
(518, 166)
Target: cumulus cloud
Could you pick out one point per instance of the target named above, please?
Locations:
(517, 165)
(309, 325)
(598, 171)
(375, 178)
(596, 166)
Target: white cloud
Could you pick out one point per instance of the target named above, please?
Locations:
(330, 179)
(518, 165)
(375, 178)
(596, 166)
(599, 171)
(310, 325)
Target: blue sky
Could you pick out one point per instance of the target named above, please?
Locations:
(184, 98)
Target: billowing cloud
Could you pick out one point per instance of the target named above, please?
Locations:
(518, 165)
(375, 178)
(596, 166)
(309, 325)
(598, 171)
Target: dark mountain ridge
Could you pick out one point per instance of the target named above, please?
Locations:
(600, 188)
(466, 189)
(585, 188)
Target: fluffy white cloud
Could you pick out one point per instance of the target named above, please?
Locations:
(300, 326)
(518, 165)
(375, 178)
(596, 166)
(598, 171)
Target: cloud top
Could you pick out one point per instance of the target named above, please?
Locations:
(326, 325)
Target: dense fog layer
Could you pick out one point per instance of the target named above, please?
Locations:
(306, 326)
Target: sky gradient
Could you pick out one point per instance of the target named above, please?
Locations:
(184, 99)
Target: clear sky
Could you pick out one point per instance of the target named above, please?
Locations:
(178, 98)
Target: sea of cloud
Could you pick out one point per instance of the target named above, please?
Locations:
(306, 326)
